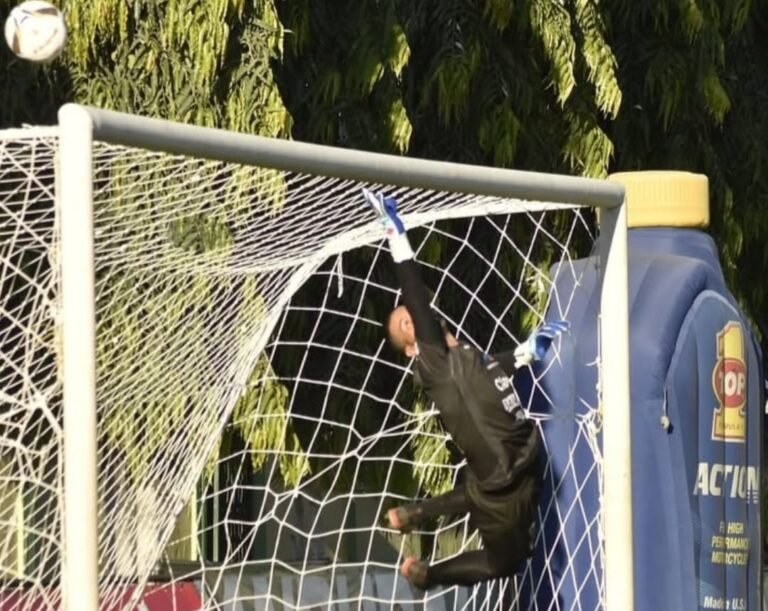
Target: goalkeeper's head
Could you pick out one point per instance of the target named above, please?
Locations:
(401, 332)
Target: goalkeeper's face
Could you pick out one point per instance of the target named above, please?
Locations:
(400, 329)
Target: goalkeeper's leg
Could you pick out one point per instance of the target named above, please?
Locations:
(506, 521)
(407, 517)
(466, 569)
(501, 558)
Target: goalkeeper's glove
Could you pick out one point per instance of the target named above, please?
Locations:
(386, 209)
(536, 346)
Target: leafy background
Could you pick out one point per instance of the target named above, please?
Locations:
(578, 87)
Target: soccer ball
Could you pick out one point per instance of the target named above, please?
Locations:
(35, 31)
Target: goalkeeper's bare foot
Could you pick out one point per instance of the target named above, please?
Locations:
(415, 571)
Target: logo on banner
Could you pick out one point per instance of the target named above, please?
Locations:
(729, 381)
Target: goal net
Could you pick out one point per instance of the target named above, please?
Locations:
(253, 424)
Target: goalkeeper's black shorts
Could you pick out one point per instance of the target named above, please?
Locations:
(506, 518)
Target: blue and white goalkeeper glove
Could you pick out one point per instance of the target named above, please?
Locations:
(386, 209)
(536, 346)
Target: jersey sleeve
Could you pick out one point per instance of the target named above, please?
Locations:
(416, 299)
(506, 361)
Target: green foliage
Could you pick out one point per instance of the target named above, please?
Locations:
(342, 72)
(430, 453)
(498, 13)
(262, 421)
(666, 81)
(154, 323)
(452, 80)
(509, 87)
(498, 133)
(716, 98)
(200, 233)
(588, 149)
(200, 61)
(551, 23)
(601, 63)
(692, 78)
(584, 87)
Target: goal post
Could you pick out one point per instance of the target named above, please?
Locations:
(81, 126)
(78, 304)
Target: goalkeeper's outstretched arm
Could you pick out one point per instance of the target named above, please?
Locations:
(416, 301)
(413, 323)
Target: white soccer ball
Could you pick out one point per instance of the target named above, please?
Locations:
(35, 31)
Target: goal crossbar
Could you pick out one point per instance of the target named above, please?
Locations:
(81, 126)
(194, 141)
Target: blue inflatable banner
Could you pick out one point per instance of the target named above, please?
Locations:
(697, 407)
(714, 377)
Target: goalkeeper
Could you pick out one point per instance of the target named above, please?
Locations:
(479, 408)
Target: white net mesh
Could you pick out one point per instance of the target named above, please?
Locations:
(253, 425)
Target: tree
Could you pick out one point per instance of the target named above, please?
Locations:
(203, 62)
(692, 78)
(579, 87)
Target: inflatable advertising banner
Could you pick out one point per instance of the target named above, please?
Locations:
(720, 450)
(697, 400)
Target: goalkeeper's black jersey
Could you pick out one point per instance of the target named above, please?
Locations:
(474, 395)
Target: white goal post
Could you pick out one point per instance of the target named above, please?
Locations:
(81, 127)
